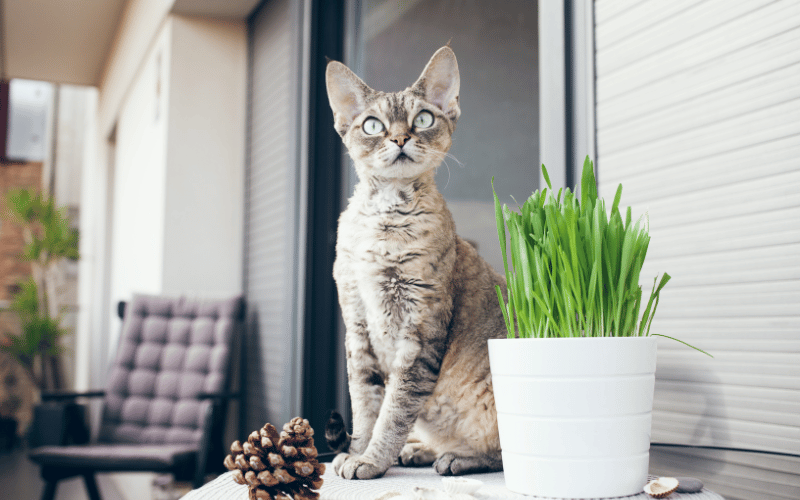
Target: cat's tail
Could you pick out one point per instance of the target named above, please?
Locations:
(336, 434)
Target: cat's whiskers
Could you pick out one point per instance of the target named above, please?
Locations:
(443, 155)
(386, 154)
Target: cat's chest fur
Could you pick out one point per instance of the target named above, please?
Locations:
(392, 263)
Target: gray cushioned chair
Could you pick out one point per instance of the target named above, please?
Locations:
(165, 393)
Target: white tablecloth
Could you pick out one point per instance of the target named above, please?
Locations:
(400, 480)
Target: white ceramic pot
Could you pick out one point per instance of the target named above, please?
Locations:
(574, 414)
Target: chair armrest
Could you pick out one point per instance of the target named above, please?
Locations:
(219, 396)
(207, 447)
(70, 395)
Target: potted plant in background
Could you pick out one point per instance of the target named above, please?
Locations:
(574, 381)
(11, 401)
(49, 240)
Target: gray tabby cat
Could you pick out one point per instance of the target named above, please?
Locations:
(418, 302)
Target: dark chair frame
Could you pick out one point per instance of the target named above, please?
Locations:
(213, 425)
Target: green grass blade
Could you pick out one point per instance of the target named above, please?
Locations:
(646, 315)
(546, 311)
(546, 177)
(657, 293)
(541, 277)
(664, 280)
(588, 183)
(501, 228)
(524, 262)
(625, 264)
(504, 308)
(617, 197)
(684, 343)
(591, 305)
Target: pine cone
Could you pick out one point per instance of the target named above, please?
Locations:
(278, 467)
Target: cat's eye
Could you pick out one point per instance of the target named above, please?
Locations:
(423, 120)
(372, 126)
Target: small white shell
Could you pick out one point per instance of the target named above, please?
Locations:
(661, 487)
(463, 485)
(423, 493)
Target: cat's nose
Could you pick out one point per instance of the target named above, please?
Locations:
(400, 139)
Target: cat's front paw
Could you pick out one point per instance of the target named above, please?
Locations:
(416, 455)
(448, 464)
(338, 461)
(356, 467)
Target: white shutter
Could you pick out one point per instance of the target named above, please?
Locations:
(272, 226)
(698, 116)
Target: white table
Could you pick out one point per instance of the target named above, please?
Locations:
(400, 480)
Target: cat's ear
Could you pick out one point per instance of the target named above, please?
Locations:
(347, 94)
(439, 82)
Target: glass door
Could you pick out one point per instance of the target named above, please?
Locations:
(388, 45)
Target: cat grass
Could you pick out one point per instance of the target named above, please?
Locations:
(574, 266)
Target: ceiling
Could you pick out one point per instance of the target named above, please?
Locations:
(63, 41)
(67, 41)
(226, 9)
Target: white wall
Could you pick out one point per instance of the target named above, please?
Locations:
(204, 216)
(137, 30)
(179, 166)
(140, 172)
(138, 26)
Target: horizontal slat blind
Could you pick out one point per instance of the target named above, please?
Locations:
(271, 201)
(698, 116)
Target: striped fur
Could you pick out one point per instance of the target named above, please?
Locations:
(418, 302)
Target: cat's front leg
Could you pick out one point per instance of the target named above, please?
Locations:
(365, 381)
(366, 395)
(409, 385)
(366, 386)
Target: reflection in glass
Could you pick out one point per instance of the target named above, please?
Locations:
(497, 134)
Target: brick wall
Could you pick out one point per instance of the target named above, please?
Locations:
(12, 269)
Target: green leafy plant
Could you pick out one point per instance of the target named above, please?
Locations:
(574, 269)
(39, 332)
(49, 239)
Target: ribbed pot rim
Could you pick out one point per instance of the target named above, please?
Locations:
(583, 339)
(573, 356)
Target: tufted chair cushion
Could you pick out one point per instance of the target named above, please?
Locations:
(171, 350)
